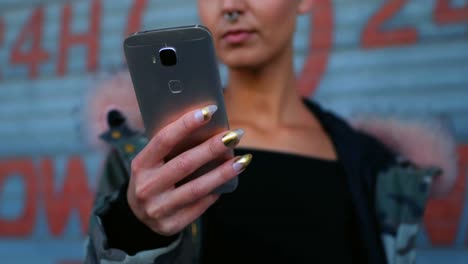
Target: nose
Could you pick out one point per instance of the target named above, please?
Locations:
(233, 6)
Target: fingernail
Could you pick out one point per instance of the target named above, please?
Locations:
(205, 113)
(231, 139)
(240, 163)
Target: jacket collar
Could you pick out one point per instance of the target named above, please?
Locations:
(353, 151)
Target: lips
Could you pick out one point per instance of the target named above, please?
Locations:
(235, 37)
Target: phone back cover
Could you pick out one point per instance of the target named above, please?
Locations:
(196, 72)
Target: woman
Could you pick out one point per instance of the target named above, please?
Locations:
(312, 193)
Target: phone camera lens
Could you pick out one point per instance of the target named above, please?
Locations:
(168, 56)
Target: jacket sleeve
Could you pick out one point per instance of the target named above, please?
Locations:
(117, 236)
(402, 191)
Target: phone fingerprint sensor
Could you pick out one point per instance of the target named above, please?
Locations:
(175, 86)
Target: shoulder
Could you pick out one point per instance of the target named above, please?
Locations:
(362, 147)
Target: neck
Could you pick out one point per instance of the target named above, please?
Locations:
(268, 91)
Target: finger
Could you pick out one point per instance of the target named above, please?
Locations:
(165, 205)
(166, 139)
(188, 162)
(184, 216)
(213, 152)
(206, 184)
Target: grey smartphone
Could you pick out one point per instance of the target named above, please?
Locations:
(175, 70)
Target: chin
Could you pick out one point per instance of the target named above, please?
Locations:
(242, 60)
(244, 66)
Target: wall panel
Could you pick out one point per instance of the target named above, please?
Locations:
(404, 58)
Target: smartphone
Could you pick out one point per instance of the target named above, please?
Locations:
(175, 70)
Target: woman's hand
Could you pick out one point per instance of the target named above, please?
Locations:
(152, 193)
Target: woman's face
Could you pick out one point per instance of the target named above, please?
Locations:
(263, 30)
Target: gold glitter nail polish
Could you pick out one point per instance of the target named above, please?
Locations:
(232, 138)
(205, 113)
(240, 163)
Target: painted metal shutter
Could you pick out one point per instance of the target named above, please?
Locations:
(401, 57)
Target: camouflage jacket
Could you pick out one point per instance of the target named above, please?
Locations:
(388, 192)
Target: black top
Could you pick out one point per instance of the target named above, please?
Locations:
(287, 208)
(360, 156)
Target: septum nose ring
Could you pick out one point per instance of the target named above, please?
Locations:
(232, 17)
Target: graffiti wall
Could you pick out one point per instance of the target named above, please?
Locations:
(408, 57)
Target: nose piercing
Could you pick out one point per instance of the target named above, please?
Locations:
(231, 17)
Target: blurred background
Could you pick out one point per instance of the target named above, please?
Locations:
(401, 57)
